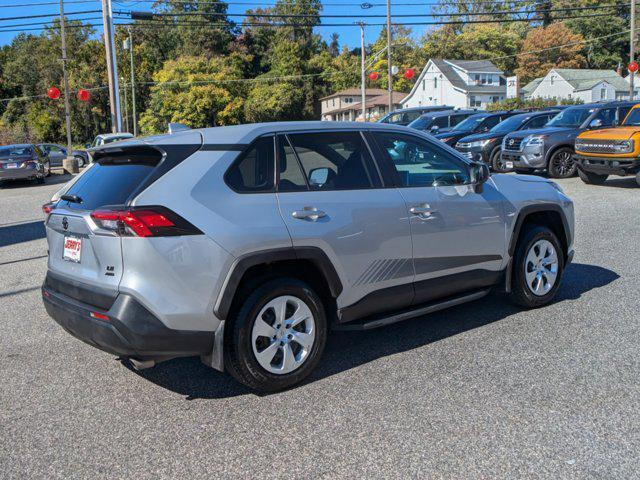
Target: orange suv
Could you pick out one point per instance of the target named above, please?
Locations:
(610, 151)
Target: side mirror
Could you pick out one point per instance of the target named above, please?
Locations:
(479, 175)
(595, 123)
(318, 176)
(434, 129)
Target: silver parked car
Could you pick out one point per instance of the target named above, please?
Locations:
(247, 244)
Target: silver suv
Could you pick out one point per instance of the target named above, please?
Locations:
(246, 245)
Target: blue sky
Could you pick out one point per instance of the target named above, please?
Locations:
(348, 35)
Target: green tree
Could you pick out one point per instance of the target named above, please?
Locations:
(274, 101)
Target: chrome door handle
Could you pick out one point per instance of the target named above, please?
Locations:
(423, 210)
(310, 213)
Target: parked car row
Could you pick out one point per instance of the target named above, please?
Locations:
(529, 140)
(31, 161)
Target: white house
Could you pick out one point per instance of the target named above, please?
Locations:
(459, 83)
(582, 84)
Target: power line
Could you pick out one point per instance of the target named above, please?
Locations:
(27, 17)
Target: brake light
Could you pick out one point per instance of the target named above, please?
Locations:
(47, 208)
(99, 316)
(144, 222)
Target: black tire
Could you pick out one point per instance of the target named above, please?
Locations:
(497, 165)
(591, 178)
(239, 358)
(520, 292)
(638, 178)
(561, 163)
(40, 180)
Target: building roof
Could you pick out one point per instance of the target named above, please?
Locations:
(532, 85)
(586, 79)
(446, 67)
(371, 102)
(356, 91)
(484, 66)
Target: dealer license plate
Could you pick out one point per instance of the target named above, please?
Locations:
(72, 249)
(509, 165)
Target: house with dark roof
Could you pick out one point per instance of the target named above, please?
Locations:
(460, 83)
(588, 85)
(346, 105)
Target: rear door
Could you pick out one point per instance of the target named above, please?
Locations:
(56, 154)
(331, 196)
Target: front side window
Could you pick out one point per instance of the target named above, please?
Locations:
(572, 117)
(420, 163)
(327, 161)
(537, 122)
(607, 116)
(254, 171)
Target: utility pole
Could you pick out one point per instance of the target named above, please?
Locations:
(133, 84)
(67, 107)
(632, 48)
(112, 66)
(363, 78)
(126, 108)
(389, 73)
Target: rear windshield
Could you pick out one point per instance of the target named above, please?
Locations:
(16, 151)
(112, 180)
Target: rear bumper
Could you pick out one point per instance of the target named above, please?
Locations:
(18, 173)
(129, 331)
(608, 166)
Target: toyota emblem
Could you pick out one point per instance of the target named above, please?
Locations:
(65, 223)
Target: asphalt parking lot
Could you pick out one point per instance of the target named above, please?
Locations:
(480, 391)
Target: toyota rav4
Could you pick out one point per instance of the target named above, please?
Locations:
(246, 245)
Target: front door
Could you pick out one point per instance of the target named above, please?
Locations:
(458, 234)
(331, 196)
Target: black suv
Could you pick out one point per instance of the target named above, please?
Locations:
(551, 148)
(486, 146)
(477, 123)
(408, 115)
(438, 122)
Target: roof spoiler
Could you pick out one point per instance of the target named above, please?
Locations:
(177, 127)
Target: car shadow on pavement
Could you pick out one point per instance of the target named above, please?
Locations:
(347, 350)
(21, 232)
(53, 179)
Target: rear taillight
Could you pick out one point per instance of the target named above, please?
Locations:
(47, 208)
(144, 222)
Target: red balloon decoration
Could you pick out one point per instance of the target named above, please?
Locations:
(83, 95)
(409, 73)
(633, 67)
(53, 93)
(373, 76)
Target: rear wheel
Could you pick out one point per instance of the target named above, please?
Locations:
(497, 164)
(561, 164)
(538, 265)
(277, 337)
(592, 178)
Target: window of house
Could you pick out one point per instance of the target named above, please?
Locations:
(477, 77)
(424, 84)
(551, 79)
(473, 102)
(435, 82)
(253, 172)
(420, 163)
(603, 94)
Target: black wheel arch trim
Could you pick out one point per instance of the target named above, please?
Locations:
(552, 150)
(314, 254)
(536, 208)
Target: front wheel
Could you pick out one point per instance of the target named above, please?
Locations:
(591, 178)
(277, 337)
(561, 164)
(497, 164)
(80, 161)
(538, 265)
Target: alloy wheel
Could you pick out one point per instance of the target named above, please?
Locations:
(283, 334)
(541, 267)
(563, 163)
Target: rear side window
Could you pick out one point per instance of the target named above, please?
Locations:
(112, 179)
(537, 122)
(441, 122)
(253, 172)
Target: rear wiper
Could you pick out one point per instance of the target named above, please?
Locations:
(71, 198)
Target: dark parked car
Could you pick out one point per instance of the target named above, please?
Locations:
(486, 147)
(477, 123)
(437, 122)
(57, 153)
(23, 162)
(408, 115)
(551, 148)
